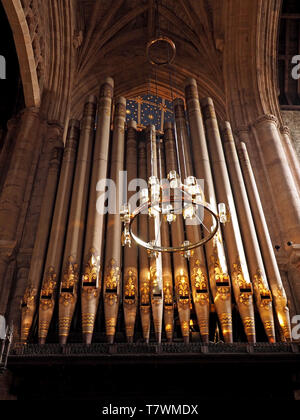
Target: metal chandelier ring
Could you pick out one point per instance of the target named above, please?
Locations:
(154, 41)
(170, 249)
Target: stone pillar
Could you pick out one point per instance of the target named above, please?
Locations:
(113, 252)
(181, 274)
(235, 251)
(130, 271)
(14, 187)
(274, 278)
(254, 259)
(94, 237)
(291, 154)
(76, 224)
(197, 263)
(215, 255)
(282, 182)
(57, 234)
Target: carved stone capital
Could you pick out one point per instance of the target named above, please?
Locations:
(285, 130)
(266, 118)
(7, 250)
(295, 256)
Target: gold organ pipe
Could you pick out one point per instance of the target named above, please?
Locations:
(144, 273)
(91, 279)
(198, 273)
(58, 229)
(28, 305)
(217, 266)
(242, 286)
(113, 255)
(75, 232)
(156, 286)
(130, 273)
(167, 273)
(274, 278)
(181, 274)
(256, 267)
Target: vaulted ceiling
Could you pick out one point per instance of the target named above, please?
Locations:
(114, 38)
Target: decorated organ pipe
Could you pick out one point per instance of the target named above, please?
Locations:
(215, 255)
(94, 236)
(198, 273)
(155, 258)
(113, 254)
(29, 302)
(130, 276)
(71, 265)
(144, 270)
(181, 274)
(54, 257)
(167, 272)
(241, 283)
(271, 267)
(174, 256)
(256, 267)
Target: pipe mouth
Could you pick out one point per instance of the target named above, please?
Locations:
(158, 337)
(251, 339)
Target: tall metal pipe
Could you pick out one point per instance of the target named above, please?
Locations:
(58, 230)
(215, 255)
(130, 271)
(274, 278)
(198, 272)
(156, 282)
(113, 254)
(144, 272)
(256, 267)
(28, 305)
(241, 283)
(167, 273)
(181, 274)
(76, 224)
(93, 250)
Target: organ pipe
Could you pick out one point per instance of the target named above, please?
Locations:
(256, 267)
(198, 273)
(272, 270)
(28, 305)
(215, 255)
(58, 230)
(94, 243)
(130, 276)
(181, 274)
(112, 271)
(76, 224)
(242, 286)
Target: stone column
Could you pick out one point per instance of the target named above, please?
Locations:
(235, 251)
(57, 234)
(144, 273)
(130, 272)
(291, 154)
(254, 259)
(215, 256)
(197, 263)
(94, 237)
(181, 274)
(274, 278)
(282, 181)
(113, 253)
(29, 301)
(14, 187)
(76, 224)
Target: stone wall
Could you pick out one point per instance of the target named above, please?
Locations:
(292, 120)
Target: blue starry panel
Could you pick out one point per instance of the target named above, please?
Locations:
(131, 110)
(150, 114)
